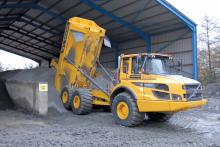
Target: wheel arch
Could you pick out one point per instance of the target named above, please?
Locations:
(120, 90)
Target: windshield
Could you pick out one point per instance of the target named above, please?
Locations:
(156, 66)
(152, 65)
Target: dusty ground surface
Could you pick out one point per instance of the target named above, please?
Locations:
(192, 128)
(61, 128)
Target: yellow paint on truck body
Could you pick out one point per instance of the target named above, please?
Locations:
(85, 51)
(81, 45)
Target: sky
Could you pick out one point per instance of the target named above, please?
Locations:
(13, 61)
(197, 9)
(194, 9)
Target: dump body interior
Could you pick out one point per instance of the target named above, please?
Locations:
(81, 48)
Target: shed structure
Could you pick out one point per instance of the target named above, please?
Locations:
(34, 28)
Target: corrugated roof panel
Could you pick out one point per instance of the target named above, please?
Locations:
(46, 25)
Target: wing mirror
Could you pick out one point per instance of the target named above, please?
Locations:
(107, 42)
(179, 65)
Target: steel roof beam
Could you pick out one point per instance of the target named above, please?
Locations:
(129, 14)
(128, 25)
(23, 12)
(33, 6)
(149, 29)
(63, 12)
(179, 14)
(46, 10)
(34, 47)
(140, 11)
(39, 26)
(56, 48)
(27, 51)
(131, 3)
(144, 19)
(12, 15)
(9, 18)
(86, 12)
(11, 10)
(44, 40)
(43, 23)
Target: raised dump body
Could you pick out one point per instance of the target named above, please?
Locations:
(80, 51)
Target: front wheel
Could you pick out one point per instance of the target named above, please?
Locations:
(125, 111)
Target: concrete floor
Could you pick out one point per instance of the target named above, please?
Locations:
(192, 128)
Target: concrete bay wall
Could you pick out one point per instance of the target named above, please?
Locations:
(31, 96)
(36, 75)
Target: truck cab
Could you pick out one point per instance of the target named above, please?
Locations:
(152, 81)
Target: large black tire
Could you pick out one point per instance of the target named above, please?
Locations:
(69, 91)
(159, 117)
(85, 101)
(134, 117)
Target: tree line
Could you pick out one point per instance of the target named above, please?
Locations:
(209, 50)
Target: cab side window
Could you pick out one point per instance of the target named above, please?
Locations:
(125, 65)
(136, 65)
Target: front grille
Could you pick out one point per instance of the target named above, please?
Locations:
(194, 97)
(192, 87)
(193, 92)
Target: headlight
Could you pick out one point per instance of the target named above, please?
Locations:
(153, 85)
(161, 95)
(176, 97)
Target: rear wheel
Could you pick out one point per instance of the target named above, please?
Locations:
(81, 101)
(66, 95)
(125, 111)
(159, 117)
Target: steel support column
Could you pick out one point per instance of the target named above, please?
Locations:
(195, 54)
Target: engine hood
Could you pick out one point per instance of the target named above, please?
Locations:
(182, 79)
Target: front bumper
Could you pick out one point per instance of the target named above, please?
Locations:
(168, 106)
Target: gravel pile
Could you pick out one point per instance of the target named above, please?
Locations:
(212, 90)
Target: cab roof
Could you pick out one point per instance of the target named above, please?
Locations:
(158, 55)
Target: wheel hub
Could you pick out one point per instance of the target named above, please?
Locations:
(122, 110)
(76, 102)
(65, 97)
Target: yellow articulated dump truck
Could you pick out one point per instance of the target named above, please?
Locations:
(141, 86)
